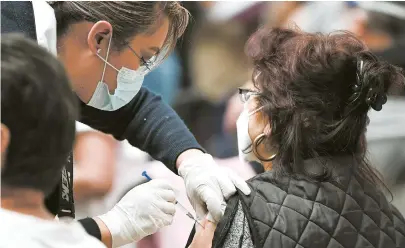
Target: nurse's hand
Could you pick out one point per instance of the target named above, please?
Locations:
(141, 212)
(208, 185)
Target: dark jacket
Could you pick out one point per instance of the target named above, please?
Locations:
(146, 122)
(344, 212)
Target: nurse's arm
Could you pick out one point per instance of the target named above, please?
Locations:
(148, 124)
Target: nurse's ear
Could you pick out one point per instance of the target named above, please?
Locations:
(99, 37)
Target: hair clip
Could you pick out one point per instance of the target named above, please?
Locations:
(359, 84)
(356, 88)
(359, 74)
(376, 98)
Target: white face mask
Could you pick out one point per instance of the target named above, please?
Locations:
(245, 148)
(129, 83)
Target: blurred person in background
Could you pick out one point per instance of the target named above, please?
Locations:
(94, 162)
(216, 65)
(217, 62)
(325, 16)
(278, 13)
(383, 30)
(38, 113)
(169, 72)
(107, 48)
(305, 120)
(197, 10)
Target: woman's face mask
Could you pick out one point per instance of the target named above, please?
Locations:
(245, 148)
(129, 83)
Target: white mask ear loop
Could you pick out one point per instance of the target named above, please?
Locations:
(255, 111)
(106, 59)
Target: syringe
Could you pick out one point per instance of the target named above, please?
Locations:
(190, 215)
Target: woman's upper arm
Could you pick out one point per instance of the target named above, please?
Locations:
(238, 233)
(204, 236)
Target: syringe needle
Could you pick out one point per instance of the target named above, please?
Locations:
(145, 174)
(189, 214)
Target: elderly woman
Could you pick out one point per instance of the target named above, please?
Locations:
(305, 121)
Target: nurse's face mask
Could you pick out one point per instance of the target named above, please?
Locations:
(129, 83)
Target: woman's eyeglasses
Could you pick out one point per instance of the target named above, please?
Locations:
(147, 63)
(245, 94)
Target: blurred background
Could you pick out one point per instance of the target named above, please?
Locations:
(200, 79)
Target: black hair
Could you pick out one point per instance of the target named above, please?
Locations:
(40, 109)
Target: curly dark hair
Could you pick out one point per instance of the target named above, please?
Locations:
(317, 90)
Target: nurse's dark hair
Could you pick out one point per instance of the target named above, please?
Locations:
(128, 18)
(39, 109)
(316, 90)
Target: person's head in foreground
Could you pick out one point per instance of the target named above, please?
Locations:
(305, 120)
(37, 118)
(108, 47)
(38, 113)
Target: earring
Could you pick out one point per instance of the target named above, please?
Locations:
(258, 140)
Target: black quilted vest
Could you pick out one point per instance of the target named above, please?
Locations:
(347, 212)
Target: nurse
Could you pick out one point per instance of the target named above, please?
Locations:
(107, 48)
